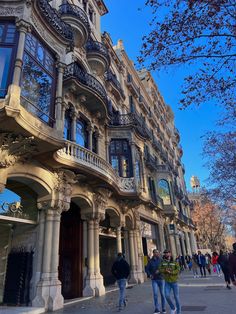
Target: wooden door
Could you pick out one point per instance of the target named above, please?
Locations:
(71, 253)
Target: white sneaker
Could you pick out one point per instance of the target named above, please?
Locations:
(173, 311)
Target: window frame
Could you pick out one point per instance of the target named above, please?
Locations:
(53, 75)
(14, 47)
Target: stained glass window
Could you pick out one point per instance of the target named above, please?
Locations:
(164, 191)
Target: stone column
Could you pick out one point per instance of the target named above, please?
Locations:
(89, 289)
(48, 291)
(144, 175)
(118, 240)
(133, 278)
(183, 244)
(133, 161)
(140, 257)
(90, 137)
(73, 127)
(161, 234)
(173, 247)
(193, 242)
(189, 251)
(85, 248)
(99, 286)
(58, 115)
(23, 27)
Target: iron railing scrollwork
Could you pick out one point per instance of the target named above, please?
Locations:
(73, 70)
(96, 46)
(72, 9)
(53, 18)
(109, 76)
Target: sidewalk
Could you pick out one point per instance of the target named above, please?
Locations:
(199, 296)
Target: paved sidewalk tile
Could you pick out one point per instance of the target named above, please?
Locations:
(198, 296)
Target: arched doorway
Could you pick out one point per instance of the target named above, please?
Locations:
(71, 253)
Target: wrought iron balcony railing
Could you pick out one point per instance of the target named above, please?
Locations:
(74, 10)
(73, 70)
(109, 76)
(96, 46)
(53, 18)
(84, 157)
(132, 119)
(150, 161)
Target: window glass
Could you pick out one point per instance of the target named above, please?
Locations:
(94, 143)
(38, 79)
(137, 171)
(5, 62)
(68, 125)
(36, 89)
(81, 133)
(115, 163)
(164, 191)
(120, 157)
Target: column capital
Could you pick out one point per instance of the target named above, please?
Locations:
(23, 26)
(60, 66)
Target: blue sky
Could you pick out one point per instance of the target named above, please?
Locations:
(129, 20)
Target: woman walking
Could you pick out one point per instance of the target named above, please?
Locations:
(214, 261)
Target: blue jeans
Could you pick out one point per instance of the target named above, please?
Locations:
(161, 285)
(122, 285)
(172, 286)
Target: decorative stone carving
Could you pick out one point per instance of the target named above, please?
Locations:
(45, 35)
(126, 184)
(15, 148)
(64, 179)
(9, 11)
(127, 205)
(100, 199)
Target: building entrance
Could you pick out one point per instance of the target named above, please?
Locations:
(71, 253)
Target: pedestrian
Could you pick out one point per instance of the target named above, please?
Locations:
(158, 282)
(195, 266)
(208, 263)
(214, 261)
(121, 270)
(232, 265)
(170, 271)
(201, 260)
(223, 261)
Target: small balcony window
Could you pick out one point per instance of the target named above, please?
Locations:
(164, 191)
(81, 133)
(120, 157)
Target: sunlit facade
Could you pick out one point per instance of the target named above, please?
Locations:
(90, 160)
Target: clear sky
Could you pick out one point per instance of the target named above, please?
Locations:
(129, 20)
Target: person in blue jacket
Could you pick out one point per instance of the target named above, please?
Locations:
(201, 260)
(152, 270)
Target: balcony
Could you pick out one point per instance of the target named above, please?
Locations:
(77, 18)
(150, 162)
(87, 85)
(170, 210)
(75, 156)
(134, 120)
(156, 144)
(132, 86)
(143, 104)
(98, 57)
(115, 85)
(178, 192)
(183, 218)
(54, 19)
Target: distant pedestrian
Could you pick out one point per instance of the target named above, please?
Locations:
(195, 266)
(232, 265)
(158, 282)
(214, 261)
(201, 260)
(208, 263)
(223, 261)
(121, 270)
(170, 271)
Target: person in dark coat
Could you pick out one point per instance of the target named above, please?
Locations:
(232, 265)
(223, 261)
(201, 260)
(158, 282)
(121, 270)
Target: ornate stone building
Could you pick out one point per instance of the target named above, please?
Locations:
(90, 148)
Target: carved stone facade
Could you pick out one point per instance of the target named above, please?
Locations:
(93, 161)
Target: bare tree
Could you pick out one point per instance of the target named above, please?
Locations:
(199, 32)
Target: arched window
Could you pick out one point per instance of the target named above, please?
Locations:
(81, 133)
(68, 125)
(164, 191)
(38, 79)
(8, 41)
(120, 157)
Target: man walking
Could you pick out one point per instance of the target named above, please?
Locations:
(201, 259)
(170, 271)
(121, 270)
(232, 265)
(153, 272)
